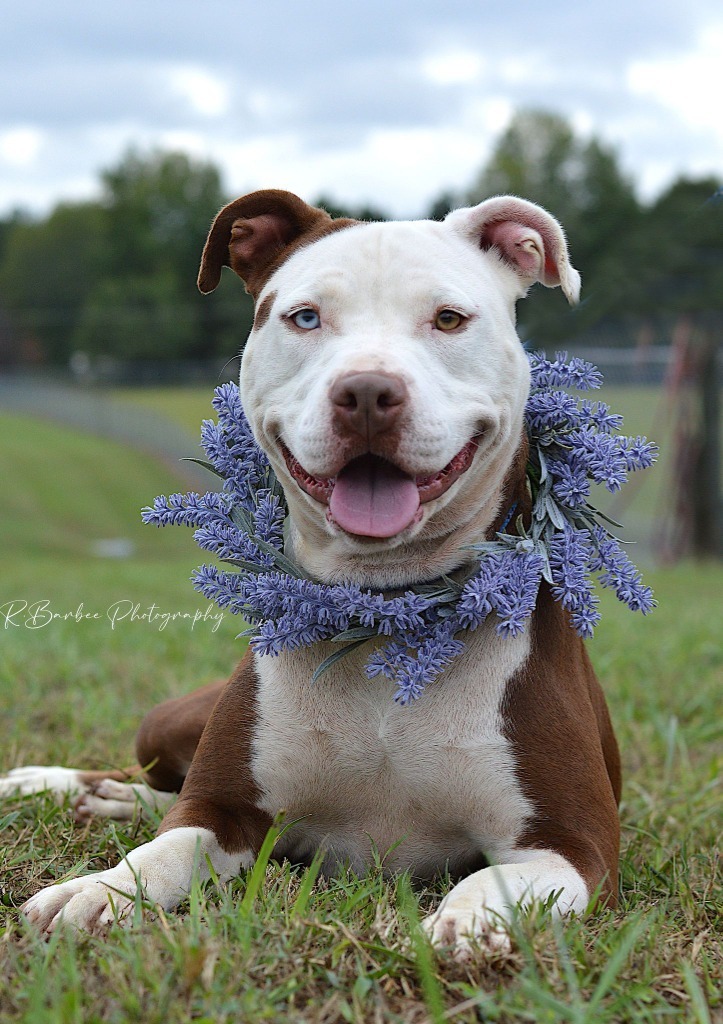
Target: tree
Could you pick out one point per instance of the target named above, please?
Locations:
(158, 211)
(540, 158)
(365, 212)
(118, 276)
(159, 207)
(48, 268)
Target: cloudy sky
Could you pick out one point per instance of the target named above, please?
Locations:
(381, 101)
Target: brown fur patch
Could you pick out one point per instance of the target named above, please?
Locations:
(220, 792)
(263, 311)
(567, 759)
(169, 735)
(255, 234)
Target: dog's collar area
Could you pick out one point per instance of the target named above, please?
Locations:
(572, 443)
(372, 497)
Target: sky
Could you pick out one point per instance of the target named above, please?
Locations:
(388, 103)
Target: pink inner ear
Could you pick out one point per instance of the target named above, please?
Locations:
(519, 244)
(252, 236)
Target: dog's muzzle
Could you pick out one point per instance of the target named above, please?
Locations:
(372, 497)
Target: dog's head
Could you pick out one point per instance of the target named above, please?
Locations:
(383, 375)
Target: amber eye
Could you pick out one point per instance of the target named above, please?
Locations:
(448, 320)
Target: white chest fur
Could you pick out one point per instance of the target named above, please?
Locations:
(426, 785)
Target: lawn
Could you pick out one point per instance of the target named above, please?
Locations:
(277, 945)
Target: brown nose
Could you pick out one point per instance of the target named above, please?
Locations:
(367, 404)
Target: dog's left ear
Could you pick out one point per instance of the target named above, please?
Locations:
(528, 239)
(254, 234)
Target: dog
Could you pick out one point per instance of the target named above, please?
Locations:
(385, 380)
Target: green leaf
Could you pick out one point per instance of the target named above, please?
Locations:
(205, 465)
(356, 633)
(337, 656)
(242, 518)
(248, 567)
(597, 512)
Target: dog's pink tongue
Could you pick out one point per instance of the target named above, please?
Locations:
(373, 498)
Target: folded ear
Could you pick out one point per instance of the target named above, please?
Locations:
(526, 237)
(255, 234)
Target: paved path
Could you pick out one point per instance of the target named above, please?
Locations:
(93, 410)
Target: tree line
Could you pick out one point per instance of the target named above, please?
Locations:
(116, 276)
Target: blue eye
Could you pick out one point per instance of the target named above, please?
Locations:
(306, 319)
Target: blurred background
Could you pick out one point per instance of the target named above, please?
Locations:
(123, 130)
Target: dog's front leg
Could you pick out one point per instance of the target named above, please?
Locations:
(162, 871)
(215, 821)
(481, 907)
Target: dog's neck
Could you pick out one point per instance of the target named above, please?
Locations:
(440, 550)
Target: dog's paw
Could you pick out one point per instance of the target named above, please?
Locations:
(481, 909)
(89, 904)
(34, 778)
(119, 800)
(459, 926)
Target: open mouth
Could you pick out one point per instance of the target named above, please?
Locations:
(371, 497)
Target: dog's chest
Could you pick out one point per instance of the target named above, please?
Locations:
(429, 784)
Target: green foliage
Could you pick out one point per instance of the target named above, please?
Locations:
(159, 208)
(137, 317)
(671, 262)
(364, 212)
(117, 277)
(540, 158)
(48, 270)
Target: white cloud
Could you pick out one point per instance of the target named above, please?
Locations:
(20, 147)
(401, 170)
(689, 84)
(389, 104)
(204, 92)
(454, 67)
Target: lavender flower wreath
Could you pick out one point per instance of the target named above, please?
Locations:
(572, 443)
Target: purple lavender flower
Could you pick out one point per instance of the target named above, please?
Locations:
(231, 544)
(639, 452)
(188, 509)
(570, 483)
(225, 588)
(269, 516)
(603, 455)
(618, 572)
(244, 525)
(551, 410)
(561, 372)
(413, 668)
(598, 415)
(570, 552)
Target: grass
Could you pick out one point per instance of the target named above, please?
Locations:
(280, 945)
(186, 406)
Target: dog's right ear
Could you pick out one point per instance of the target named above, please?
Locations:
(255, 234)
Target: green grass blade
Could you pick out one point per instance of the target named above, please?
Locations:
(422, 950)
(698, 1002)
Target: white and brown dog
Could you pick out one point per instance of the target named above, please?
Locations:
(385, 381)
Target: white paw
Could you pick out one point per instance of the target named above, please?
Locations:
(40, 779)
(458, 924)
(163, 870)
(84, 903)
(482, 907)
(119, 800)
